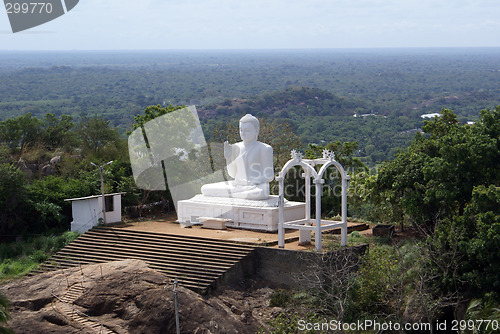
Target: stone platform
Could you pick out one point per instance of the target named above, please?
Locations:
(248, 214)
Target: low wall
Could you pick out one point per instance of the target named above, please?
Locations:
(240, 271)
(283, 267)
(280, 268)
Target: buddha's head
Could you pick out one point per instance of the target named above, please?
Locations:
(249, 128)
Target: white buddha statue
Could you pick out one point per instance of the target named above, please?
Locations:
(249, 162)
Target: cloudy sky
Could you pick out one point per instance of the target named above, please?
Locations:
(262, 24)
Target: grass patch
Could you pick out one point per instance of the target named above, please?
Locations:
(12, 268)
(331, 242)
(19, 258)
(356, 238)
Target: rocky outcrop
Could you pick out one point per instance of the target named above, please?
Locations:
(118, 297)
(23, 166)
(44, 169)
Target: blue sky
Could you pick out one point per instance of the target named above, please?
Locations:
(262, 24)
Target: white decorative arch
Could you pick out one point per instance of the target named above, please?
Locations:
(306, 225)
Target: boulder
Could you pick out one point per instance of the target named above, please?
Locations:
(55, 160)
(124, 296)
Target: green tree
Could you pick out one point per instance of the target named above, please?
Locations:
(57, 132)
(13, 199)
(479, 310)
(331, 195)
(47, 196)
(475, 237)
(21, 131)
(98, 138)
(5, 156)
(446, 183)
(177, 134)
(153, 112)
(433, 179)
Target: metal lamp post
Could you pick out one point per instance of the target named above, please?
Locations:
(102, 188)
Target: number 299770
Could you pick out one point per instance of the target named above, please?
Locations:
(28, 7)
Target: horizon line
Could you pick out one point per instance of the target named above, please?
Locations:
(260, 49)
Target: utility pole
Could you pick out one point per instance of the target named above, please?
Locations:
(101, 169)
(176, 305)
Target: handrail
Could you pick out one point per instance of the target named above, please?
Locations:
(79, 312)
(68, 286)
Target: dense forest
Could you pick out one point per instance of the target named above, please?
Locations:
(318, 92)
(438, 177)
(320, 117)
(400, 82)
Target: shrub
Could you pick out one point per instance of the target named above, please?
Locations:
(356, 238)
(21, 257)
(4, 314)
(38, 256)
(279, 298)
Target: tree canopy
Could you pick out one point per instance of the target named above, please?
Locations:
(434, 178)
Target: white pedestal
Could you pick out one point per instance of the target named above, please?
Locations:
(247, 214)
(214, 223)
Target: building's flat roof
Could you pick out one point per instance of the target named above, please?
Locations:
(431, 115)
(90, 197)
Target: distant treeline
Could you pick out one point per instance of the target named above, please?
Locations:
(120, 84)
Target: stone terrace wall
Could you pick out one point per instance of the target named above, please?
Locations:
(283, 267)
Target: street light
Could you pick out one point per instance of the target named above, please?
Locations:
(102, 189)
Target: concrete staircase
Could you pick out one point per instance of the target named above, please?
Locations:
(198, 263)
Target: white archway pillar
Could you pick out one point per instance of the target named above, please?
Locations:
(305, 226)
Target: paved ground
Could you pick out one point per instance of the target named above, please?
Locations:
(168, 225)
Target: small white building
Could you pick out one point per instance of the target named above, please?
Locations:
(88, 212)
(431, 115)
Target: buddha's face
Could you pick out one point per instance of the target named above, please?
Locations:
(248, 133)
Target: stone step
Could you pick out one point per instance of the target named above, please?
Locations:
(173, 269)
(206, 242)
(180, 264)
(187, 279)
(198, 263)
(152, 255)
(83, 320)
(148, 250)
(172, 246)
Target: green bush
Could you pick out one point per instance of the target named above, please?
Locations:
(16, 267)
(475, 238)
(484, 309)
(20, 258)
(375, 276)
(4, 314)
(6, 251)
(38, 256)
(14, 209)
(357, 238)
(279, 298)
